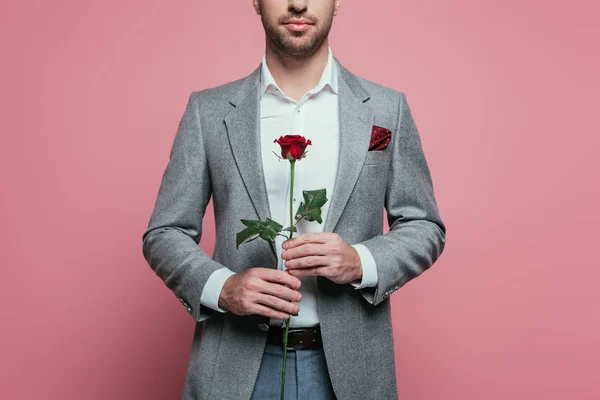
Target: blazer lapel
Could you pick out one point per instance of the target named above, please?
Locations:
(355, 121)
(243, 131)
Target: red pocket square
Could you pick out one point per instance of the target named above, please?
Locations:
(380, 138)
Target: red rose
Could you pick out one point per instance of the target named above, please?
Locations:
(292, 144)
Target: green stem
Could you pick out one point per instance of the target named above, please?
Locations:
(287, 322)
(292, 165)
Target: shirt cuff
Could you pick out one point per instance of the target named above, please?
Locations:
(212, 289)
(369, 269)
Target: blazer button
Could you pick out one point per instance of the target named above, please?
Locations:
(263, 327)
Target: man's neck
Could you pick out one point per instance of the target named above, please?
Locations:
(296, 76)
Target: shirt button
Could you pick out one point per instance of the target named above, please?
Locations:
(263, 327)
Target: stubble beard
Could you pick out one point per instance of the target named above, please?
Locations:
(299, 45)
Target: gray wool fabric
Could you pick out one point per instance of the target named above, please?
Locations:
(216, 152)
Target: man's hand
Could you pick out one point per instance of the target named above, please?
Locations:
(261, 291)
(322, 254)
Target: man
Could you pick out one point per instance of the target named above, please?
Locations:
(333, 280)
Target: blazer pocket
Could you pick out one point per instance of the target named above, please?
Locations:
(378, 156)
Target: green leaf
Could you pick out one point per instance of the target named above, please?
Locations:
(310, 208)
(268, 234)
(273, 224)
(301, 209)
(266, 230)
(246, 235)
(290, 229)
(315, 198)
(309, 213)
(252, 224)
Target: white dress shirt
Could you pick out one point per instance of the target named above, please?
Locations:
(315, 117)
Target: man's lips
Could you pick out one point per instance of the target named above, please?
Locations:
(298, 25)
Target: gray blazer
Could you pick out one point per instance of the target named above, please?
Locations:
(216, 151)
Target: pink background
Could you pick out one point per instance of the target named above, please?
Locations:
(505, 95)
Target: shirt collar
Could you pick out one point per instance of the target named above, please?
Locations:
(328, 77)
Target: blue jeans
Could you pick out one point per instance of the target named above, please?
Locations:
(306, 375)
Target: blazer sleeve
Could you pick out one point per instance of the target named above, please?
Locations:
(170, 242)
(417, 235)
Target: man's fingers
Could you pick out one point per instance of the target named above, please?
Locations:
(268, 312)
(311, 237)
(277, 304)
(283, 292)
(309, 249)
(317, 271)
(307, 262)
(281, 277)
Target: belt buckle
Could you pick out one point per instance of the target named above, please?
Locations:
(292, 331)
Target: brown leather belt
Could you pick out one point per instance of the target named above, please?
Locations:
(298, 338)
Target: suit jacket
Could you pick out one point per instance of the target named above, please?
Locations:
(216, 151)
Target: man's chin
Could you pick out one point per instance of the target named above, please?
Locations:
(298, 49)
